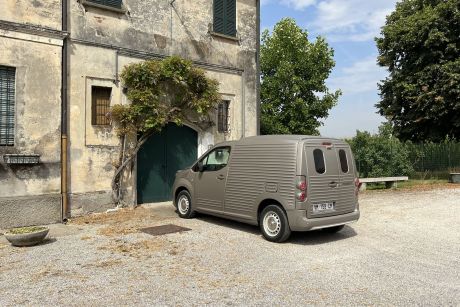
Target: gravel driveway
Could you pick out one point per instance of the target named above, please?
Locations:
(405, 250)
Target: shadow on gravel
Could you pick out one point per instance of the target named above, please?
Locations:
(314, 237)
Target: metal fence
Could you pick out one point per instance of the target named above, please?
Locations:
(434, 159)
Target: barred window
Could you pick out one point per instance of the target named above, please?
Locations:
(222, 116)
(100, 105)
(7, 101)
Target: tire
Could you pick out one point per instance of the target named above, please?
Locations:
(333, 229)
(184, 205)
(274, 224)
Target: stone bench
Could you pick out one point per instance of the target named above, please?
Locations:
(454, 177)
(389, 181)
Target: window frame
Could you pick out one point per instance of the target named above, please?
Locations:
(223, 32)
(94, 114)
(10, 93)
(223, 116)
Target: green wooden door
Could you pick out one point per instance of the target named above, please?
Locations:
(160, 158)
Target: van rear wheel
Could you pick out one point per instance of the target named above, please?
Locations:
(274, 224)
(184, 205)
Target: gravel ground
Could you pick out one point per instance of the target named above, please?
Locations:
(403, 251)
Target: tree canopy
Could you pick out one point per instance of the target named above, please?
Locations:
(294, 95)
(420, 46)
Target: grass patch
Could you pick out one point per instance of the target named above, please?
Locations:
(23, 230)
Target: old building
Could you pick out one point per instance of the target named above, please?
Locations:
(97, 38)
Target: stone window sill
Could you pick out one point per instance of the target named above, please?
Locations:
(123, 10)
(232, 38)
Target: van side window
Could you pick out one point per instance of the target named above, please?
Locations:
(343, 160)
(319, 161)
(216, 159)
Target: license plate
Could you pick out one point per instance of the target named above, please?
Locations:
(324, 207)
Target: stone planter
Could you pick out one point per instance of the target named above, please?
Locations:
(26, 236)
(454, 177)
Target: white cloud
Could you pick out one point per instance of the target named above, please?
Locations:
(361, 76)
(351, 20)
(298, 4)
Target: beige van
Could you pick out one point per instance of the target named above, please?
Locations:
(282, 183)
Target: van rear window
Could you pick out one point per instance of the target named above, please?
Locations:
(343, 161)
(319, 161)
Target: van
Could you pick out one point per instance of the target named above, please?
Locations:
(281, 183)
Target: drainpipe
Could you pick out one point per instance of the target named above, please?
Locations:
(64, 165)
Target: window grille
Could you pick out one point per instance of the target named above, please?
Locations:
(7, 101)
(100, 105)
(222, 116)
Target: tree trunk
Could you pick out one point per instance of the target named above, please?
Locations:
(128, 158)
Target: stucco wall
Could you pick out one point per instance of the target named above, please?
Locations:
(37, 130)
(146, 28)
(45, 13)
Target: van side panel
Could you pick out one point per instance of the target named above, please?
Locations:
(258, 169)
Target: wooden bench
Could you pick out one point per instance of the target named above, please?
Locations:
(390, 182)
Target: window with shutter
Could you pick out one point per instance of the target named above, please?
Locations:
(7, 101)
(100, 105)
(225, 17)
(110, 3)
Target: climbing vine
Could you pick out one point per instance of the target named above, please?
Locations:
(160, 91)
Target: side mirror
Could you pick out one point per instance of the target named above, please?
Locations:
(200, 166)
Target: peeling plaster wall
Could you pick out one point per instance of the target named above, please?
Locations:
(146, 27)
(45, 13)
(37, 131)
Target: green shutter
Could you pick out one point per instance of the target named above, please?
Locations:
(7, 100)
(230, 17)
(225, 17)
(112, 3)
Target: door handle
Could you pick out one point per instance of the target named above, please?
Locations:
(333, 184)
(221, 177)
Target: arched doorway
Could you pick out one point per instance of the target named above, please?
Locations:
(160, 158)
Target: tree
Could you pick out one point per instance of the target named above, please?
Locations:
(420, 46)
(171, 90)
(380, 155)
(294, 96)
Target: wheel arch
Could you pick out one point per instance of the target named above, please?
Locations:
(265, 203)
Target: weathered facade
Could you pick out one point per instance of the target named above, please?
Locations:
(102, 39)
(30, 111)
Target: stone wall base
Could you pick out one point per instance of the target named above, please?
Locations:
(30, 210)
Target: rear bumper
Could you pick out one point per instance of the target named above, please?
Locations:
(298, 220)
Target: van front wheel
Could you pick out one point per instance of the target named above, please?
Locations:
(274, 224)
(184, 205)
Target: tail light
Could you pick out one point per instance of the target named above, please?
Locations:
(301, 186)
(357, 184)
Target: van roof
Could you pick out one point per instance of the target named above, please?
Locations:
(277, 139)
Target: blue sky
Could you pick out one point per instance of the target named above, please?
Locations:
(349, 26)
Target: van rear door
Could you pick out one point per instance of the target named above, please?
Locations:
(326, 195)
(348, 198)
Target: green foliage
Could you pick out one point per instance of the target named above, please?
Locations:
(380, 155)
(294, 95)
(164, 91)
(420, 46)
